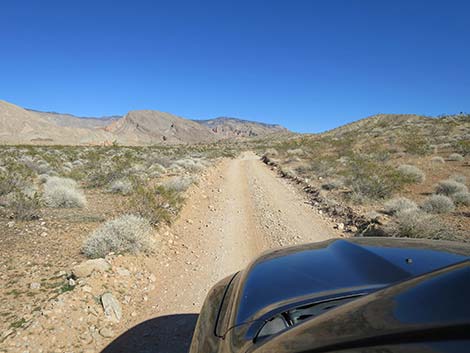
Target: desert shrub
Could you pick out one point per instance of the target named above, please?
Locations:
(411, 173)
(271, 152)
(25, 207)
(437, 160)
(333, 184)
(462, 179)
(188, 164)
(455, 157)
(178, 183)
(123, 187)
(155, 203)
(63, 192)
(415, 144)
(399, 204)
(295, 152)
(461, 198)
(438, 204)
(416, 224)
(126, 234)
(463, 147)
(369, 180)
(449, 187)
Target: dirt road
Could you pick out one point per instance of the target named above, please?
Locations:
(238, 210)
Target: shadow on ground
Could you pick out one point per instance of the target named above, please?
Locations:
(165, 334)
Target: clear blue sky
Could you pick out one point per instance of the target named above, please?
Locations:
(309, 65)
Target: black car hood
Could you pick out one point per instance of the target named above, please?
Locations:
(338, 266)
(428, 313)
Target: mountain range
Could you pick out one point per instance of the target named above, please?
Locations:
(139, 127)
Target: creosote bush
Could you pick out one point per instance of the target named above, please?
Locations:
(411, 173)
(438, 204)
(399, 204)
(155, 203)
(449, 187)
(63, 192)
(126, 234)
(416, 224)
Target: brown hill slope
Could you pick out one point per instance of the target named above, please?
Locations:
(151, 126)
(20, 126)
(140, 127)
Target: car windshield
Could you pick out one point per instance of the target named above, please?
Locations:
(293, 317)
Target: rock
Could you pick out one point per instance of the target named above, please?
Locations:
(340, 226)
(152, 278)
(121, 271)
(35, 285)
(106, 332)
(112, 308)
(86, 268)
(72, 282)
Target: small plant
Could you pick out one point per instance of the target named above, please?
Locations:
(63, 192)
(411, 173)
(456, 157)
(438, 204)
(461, 198)
(126, 234)
(399, 204)
(450, 187)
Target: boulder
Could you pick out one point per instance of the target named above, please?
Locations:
(86, 268)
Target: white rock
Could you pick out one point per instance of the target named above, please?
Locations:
(35, 285)
(112, 308)
(106, 332)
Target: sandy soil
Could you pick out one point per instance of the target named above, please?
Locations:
(238, 210)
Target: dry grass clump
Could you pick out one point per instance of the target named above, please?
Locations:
(399, 204)
(416, 224)
(126, 234)
(438, 204)
(455, 157)
(412, 173)
(438, 160)
(63, 192)
(450, 187)
(123, 187)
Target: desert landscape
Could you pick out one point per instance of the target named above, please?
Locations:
(115, 228)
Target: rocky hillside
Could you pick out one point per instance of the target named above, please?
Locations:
(233, 127)
(140, 127)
